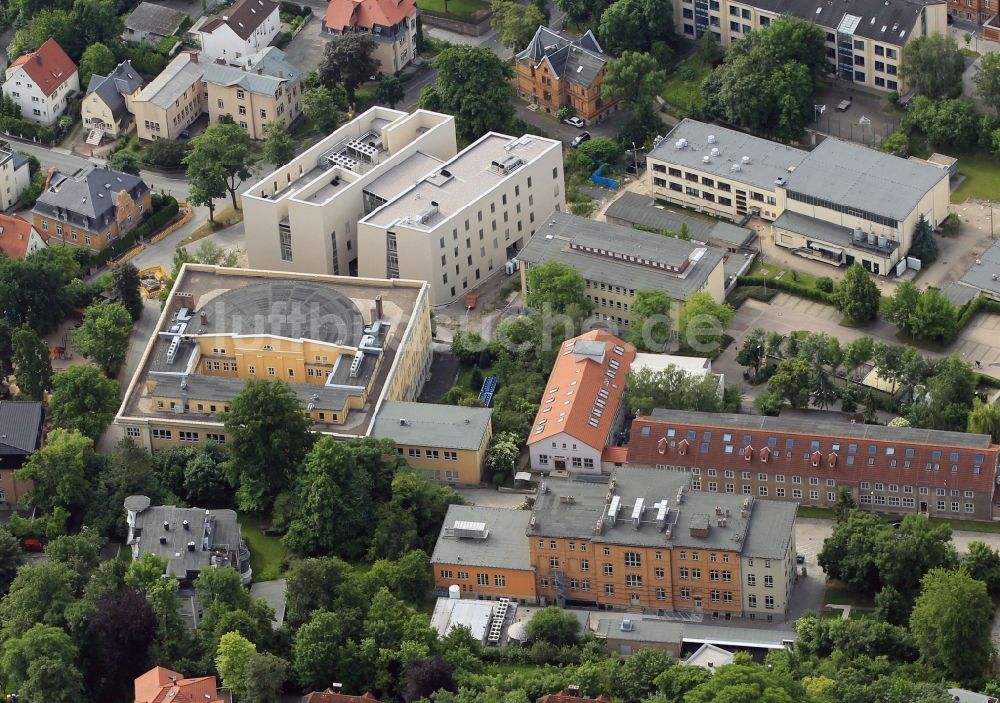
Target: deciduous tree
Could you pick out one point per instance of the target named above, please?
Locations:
(40, 665)
(59, 471)
(933, 66)
(754, 350)
(671, 388)
(265, 675)
(268, 438)
(349, 59)
(558, 286)
(553, 625)
(223, 150)
(987, 80)
(39, 595)
(278, 145)
(97, 59)
(516, 23)
(473, 85)
(934, 317)
(900, 306)
(985, 419)
(426, 676)
(125, 288)
(121, 633)
(651, 320)
(982, 562)
(703, 322)
(103, 337)
(83, 399)
(390, 91)
(232, 659)
(32, 363)
(856, 296)
(636, 25)
(124, 162)
(791, 382)
(324, 107)
(11, 559)
(634, 78)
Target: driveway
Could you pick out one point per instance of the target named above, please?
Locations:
(305, 49)
(558, 130)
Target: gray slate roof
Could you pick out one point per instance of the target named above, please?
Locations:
(112, 88)
(828, 232)
(273, 69)
(850, 174)
(179, 75)
(768, 160)
(646, 628)
(552, 243)
(20, 426)
(89, 194)
(818, 427)
(506, 546)
(155, 19)
(243, 18)
(887, 21)
(427, 425)
(579, 60)
(981, 276)
(638, 209)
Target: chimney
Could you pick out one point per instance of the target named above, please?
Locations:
(186, 525)
(48, 178)
(335, 688)
(573, 691)
(378, 307)
(204, 318)
(194, 56)
(190, 546)
(166, 525)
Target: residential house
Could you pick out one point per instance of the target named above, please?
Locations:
(333, 694)
(898, 470)
(105, 105)
(571, 695)
(864, 38)
(42, 83)
(618, 261)
(172, 101)
(20, 436)
(391, 23)
(837, 204)
(151, 23)
(160, 684)
(557, 70)
(188, 539)
(448, 443)
(254, 90)
(15, 176)
(484, 551)
(92, 208)
(343, 344)
(581, 408)
(243, 29)
(19, 238)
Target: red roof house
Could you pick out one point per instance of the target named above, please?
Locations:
(41, 82)
(161, 685)
(18, 237)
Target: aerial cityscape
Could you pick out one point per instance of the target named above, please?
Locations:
(500, 351)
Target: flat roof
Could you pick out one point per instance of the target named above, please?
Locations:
(424, 424)
(450, 613)
(813, 227)
(461, 180)
(853, 175)
(571, 508)
(768, 160)
(650, 628)
(638, 209)
(212, 531)
(403, 175)
(329, 310)
(554, 237)
(984, 273)
(506, 546)
(881, 433)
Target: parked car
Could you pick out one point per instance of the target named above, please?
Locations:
(575, 121)
(845, 104)
(580, 139)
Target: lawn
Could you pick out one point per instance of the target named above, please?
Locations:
(838, 595)
(684, 85)
(268, 556)
(462, 9)
(982, 177)
(773, 271)
(819, 513)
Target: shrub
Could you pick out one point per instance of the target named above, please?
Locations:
(145, 60)
(825, 284)
(950, 224)
(25, 129)
(166, 153)
(164, 209)
(788, 287)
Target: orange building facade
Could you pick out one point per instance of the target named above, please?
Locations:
(555, 71)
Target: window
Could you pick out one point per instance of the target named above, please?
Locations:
(482, 579)
(451, 456)
(633, 581)
(769, 602)
(132, 432)
(499, 580)
(751, 579)
(661, 594)
(584, 565)
(633, 559)
(713, 575)
(187, 436)
(659, 572)
(609, 570)
(554, 562)
(683, 572)
(162, 434)
(696, 573)
(446, 573)
(768, 581)
(752, 600)
(609, 589)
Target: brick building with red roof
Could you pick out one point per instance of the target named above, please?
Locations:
(42, 83)
(162, 685)
(391, 23)
(333, 695)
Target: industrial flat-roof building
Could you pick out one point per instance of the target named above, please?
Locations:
(618, 261)
(887, 469)
(343, 345)
(864, 38)
(837, 204)
(984, 274)
(446, 442)
(189, 539)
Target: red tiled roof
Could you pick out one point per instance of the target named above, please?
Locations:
(615, 455)
(329, 696)
(367, 13)
(564, 697)
(162, 685)
(584, 389)
(49, 67)
(15, 234)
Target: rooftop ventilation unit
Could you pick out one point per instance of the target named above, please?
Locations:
(463, 529)
(745, 159)
(706, 160)
(711, 139)
(425, 215)
(616, 504)
(507, 165)
(172, 350)
(627, 625)
(359, 357)
(735, 168)
(637, 512)
(716, 151)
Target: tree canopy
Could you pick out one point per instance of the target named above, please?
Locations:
(933, 65)
(856, 296)
(83, 399)
(103, 336)
(473, 84)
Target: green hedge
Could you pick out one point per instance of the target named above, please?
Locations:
(741, 293)
(967, 311)
(292, 8)
(26, 130)
(164, 209)
(788, 287)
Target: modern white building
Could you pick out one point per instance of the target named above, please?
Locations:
(303, 216)
(462, 220)
(245, 28)
(42, 82)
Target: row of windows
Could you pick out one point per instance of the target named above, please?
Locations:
(838, 207)
(768, 601)
(777, 478)
(578, 462)
(713, 574)
(611, 289)
(499, 580)
(924, 490)
(768, 580)
(693, 192)
(762, 491)
(415, 453)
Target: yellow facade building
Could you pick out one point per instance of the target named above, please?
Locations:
(344, 345)
(446, 442)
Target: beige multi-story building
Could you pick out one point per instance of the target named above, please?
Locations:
(254, 90)
(105, 107)
(392, 24)
(343, 345)
(303, 216)
(837, 204)
(618, 261)
(864, 38)
(446, 442)
(462, 221)
(171, 101)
